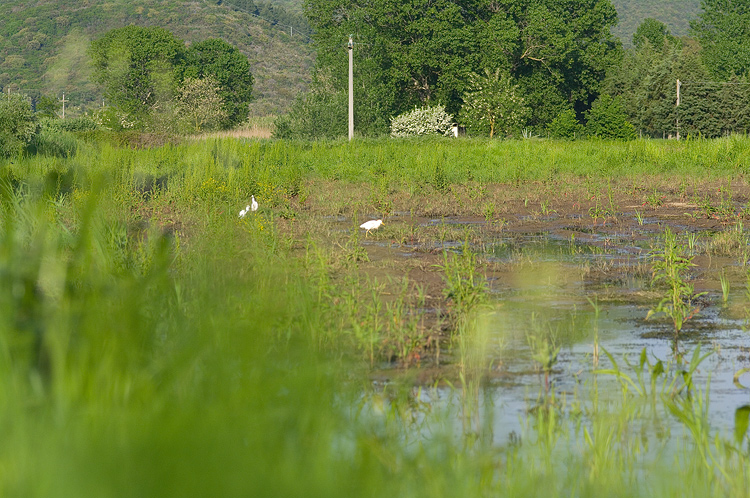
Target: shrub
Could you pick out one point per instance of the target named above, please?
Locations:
(82, 123)
(565, 125)
(16, 124)
(607, 119)
(53, 142)
(425, 121)
(316, 115)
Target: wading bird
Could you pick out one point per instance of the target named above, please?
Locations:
(371, 225)
(253, 205)
(244, 211)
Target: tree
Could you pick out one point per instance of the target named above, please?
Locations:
(230, 69)
(558, 50)
(47, 106)
(320, 113)
(565, 125)
(493, 104)
(200, 102)
(422, 52)
(653, 32)
(16, 124)
(723, 29)
(137, 67)
(646, 81)
(606, 119)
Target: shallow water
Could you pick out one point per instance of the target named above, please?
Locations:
(554, 302)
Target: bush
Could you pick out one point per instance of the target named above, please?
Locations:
(82, 123)
(607, 119)
(424, 121)
(323, 113)
(16, 124)
(52, 142)
(565, 125)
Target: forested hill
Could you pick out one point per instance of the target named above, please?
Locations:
(676, 14)
(43, 44)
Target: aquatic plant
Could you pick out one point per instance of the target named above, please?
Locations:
(669, 267)
(465, 287)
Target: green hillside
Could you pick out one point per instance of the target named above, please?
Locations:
(43, 45)
(676, 14)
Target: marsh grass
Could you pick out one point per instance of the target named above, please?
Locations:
(153, 344)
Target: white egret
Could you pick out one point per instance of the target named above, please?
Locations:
(371, 225)
(244, 211)
(253, 205)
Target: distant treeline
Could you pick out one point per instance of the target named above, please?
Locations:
(277, 16)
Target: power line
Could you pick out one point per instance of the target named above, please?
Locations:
(716, 82)
(274, 23)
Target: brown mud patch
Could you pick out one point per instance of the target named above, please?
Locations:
(613, 225)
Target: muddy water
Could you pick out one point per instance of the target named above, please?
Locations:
(548, 284)
(550, 292)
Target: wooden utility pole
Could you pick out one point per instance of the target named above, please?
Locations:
(677, 110)
(351, 88)
(63, 103)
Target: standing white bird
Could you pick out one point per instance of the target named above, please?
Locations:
(371, 225)
(244, 211)
(253, 205)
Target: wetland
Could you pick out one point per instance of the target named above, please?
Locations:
(533, 318)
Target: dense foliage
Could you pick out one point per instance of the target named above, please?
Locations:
(143, 70)
(723, 29)
(16, 124)
(646, 84)
(424, 52)
(231, 70)
(137, 67)
(43, 46)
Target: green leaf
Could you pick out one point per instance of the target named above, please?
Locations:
(741, 422)
(737, 375)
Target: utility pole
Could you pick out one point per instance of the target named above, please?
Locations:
(351, 88)
(63, 103)
(677, 112)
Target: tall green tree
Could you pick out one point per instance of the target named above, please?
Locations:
(653, 32)
(646, 82)
(137, 67)
(493, 104)
(230, 69)
(723, 29)
(422, 52)
(559, 51)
